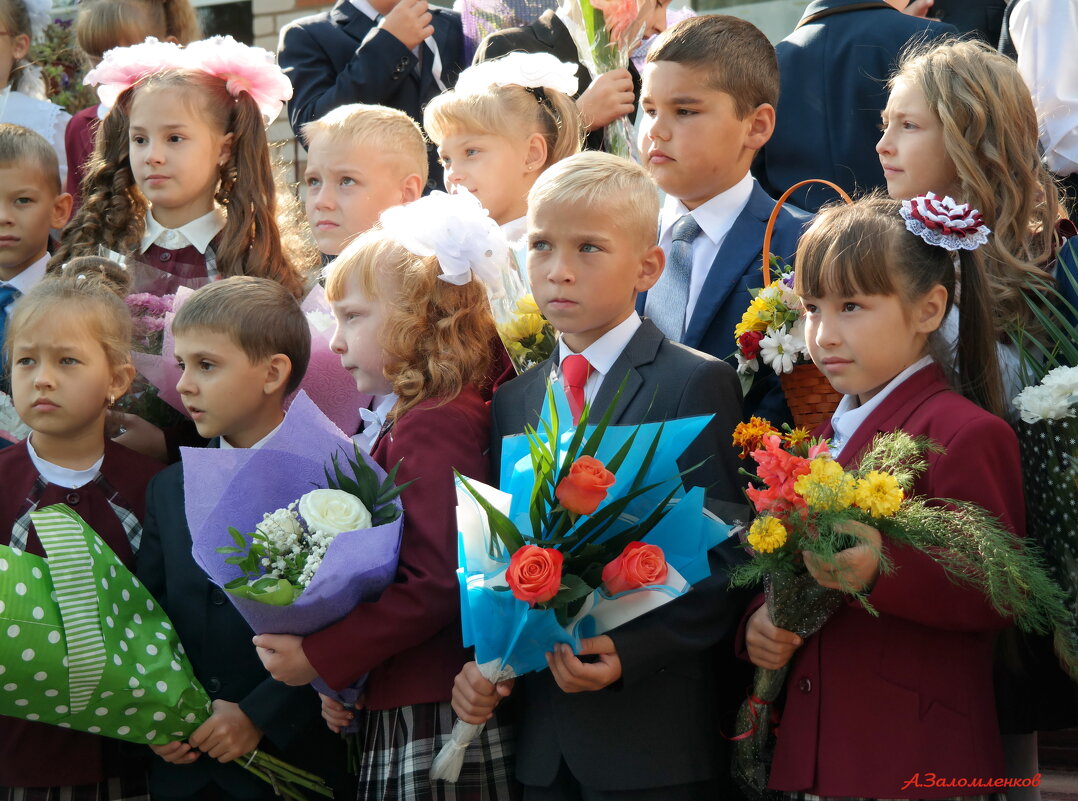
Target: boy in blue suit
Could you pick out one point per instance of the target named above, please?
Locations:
(710, 89)
(244, 345)
(636, 715)
(833, 70)
(397, 53)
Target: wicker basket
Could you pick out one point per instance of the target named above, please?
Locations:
(809, 394)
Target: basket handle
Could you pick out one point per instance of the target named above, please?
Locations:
(770, 229)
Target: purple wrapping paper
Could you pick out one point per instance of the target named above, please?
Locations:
(236, 487)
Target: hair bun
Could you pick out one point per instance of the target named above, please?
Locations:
(96, 272)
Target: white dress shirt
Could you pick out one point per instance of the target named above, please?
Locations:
(715, 217)
(30, 277)
(224, 445)
(849, 416)
(199, 232)
(63, 476)
(601, 354)
(1045, 36)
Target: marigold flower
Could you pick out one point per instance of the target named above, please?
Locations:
(797, 436)
(878, 494)
(767, 534)
(750, 436)
(826, 486)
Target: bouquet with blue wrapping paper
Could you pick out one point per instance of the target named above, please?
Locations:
(86, 647)
(298, 531)
(594, 528)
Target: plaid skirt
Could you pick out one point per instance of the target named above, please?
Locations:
(398, 745)
(127, 788)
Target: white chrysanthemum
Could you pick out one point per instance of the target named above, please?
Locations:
(780, 350)
(746, 366)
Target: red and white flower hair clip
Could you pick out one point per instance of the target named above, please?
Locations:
(943, 222)
(243, 68)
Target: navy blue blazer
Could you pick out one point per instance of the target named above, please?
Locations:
(339, 57)
(218, 641)
(725, 294)
(833, 87)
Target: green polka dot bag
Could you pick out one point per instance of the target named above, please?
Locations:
(85, 646)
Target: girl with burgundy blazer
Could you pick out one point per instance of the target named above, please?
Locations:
(403, 331)
(876, 705)
(68, 344)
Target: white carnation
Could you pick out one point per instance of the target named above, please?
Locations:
(1053, 399)
(333, 511)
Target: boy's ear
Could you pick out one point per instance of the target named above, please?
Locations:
(61, 210)
(651, 267)
(930, 309)
(537, 153)
(761, 126)
(411, 188)
(226, 149)
(278, 371)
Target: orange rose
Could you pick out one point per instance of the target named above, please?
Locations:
(585, 487)
(639, 565)
(534, 573)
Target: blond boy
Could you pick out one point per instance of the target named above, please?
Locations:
(361, 160)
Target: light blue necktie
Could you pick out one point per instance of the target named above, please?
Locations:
(668, 300)
(8, 295)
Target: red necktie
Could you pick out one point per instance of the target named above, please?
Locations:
(575, 370)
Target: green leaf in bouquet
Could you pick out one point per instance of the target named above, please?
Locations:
(501, 526)
(266, 590)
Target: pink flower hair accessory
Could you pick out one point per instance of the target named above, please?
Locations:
(122, 67)
(944, 222)
(244, 68)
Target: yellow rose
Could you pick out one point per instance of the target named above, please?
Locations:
(826, 487)
(767, 534)
(878, 494)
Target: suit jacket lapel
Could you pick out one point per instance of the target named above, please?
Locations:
(739, 254)
(641, 350)
(353, 21)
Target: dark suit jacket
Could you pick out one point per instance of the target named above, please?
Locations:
(338, 57)
(218, 641)
(873, 700)
(37, 754)
(834, 76)
(982, 18)
(725, 294)
(658, 725)
(548, 34)
(409, 640)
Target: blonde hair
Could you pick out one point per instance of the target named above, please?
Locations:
(113, 212)
(89, 289)
(990, 133)
(260, 316)
(865, 248)
(390, 132)
(437, 336)
(105, 24)
(510, 111)
(622, 188)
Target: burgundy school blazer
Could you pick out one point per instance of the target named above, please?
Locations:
(409, 640)
(36, 754)
(871, 701)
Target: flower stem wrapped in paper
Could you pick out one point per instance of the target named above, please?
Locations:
(312, 554)
(88, 648)
(807, 503)
(594, 529)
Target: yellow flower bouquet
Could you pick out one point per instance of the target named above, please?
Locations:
(526, 334)
(807, 503)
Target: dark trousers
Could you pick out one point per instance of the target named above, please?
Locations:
(567, 788)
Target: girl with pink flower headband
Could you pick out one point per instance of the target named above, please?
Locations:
(874, 701)
(180, 185)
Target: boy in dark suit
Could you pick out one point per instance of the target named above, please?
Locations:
(243, 344)
(397, 53)
(710, 88)
(641, 720)
(833, 70)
